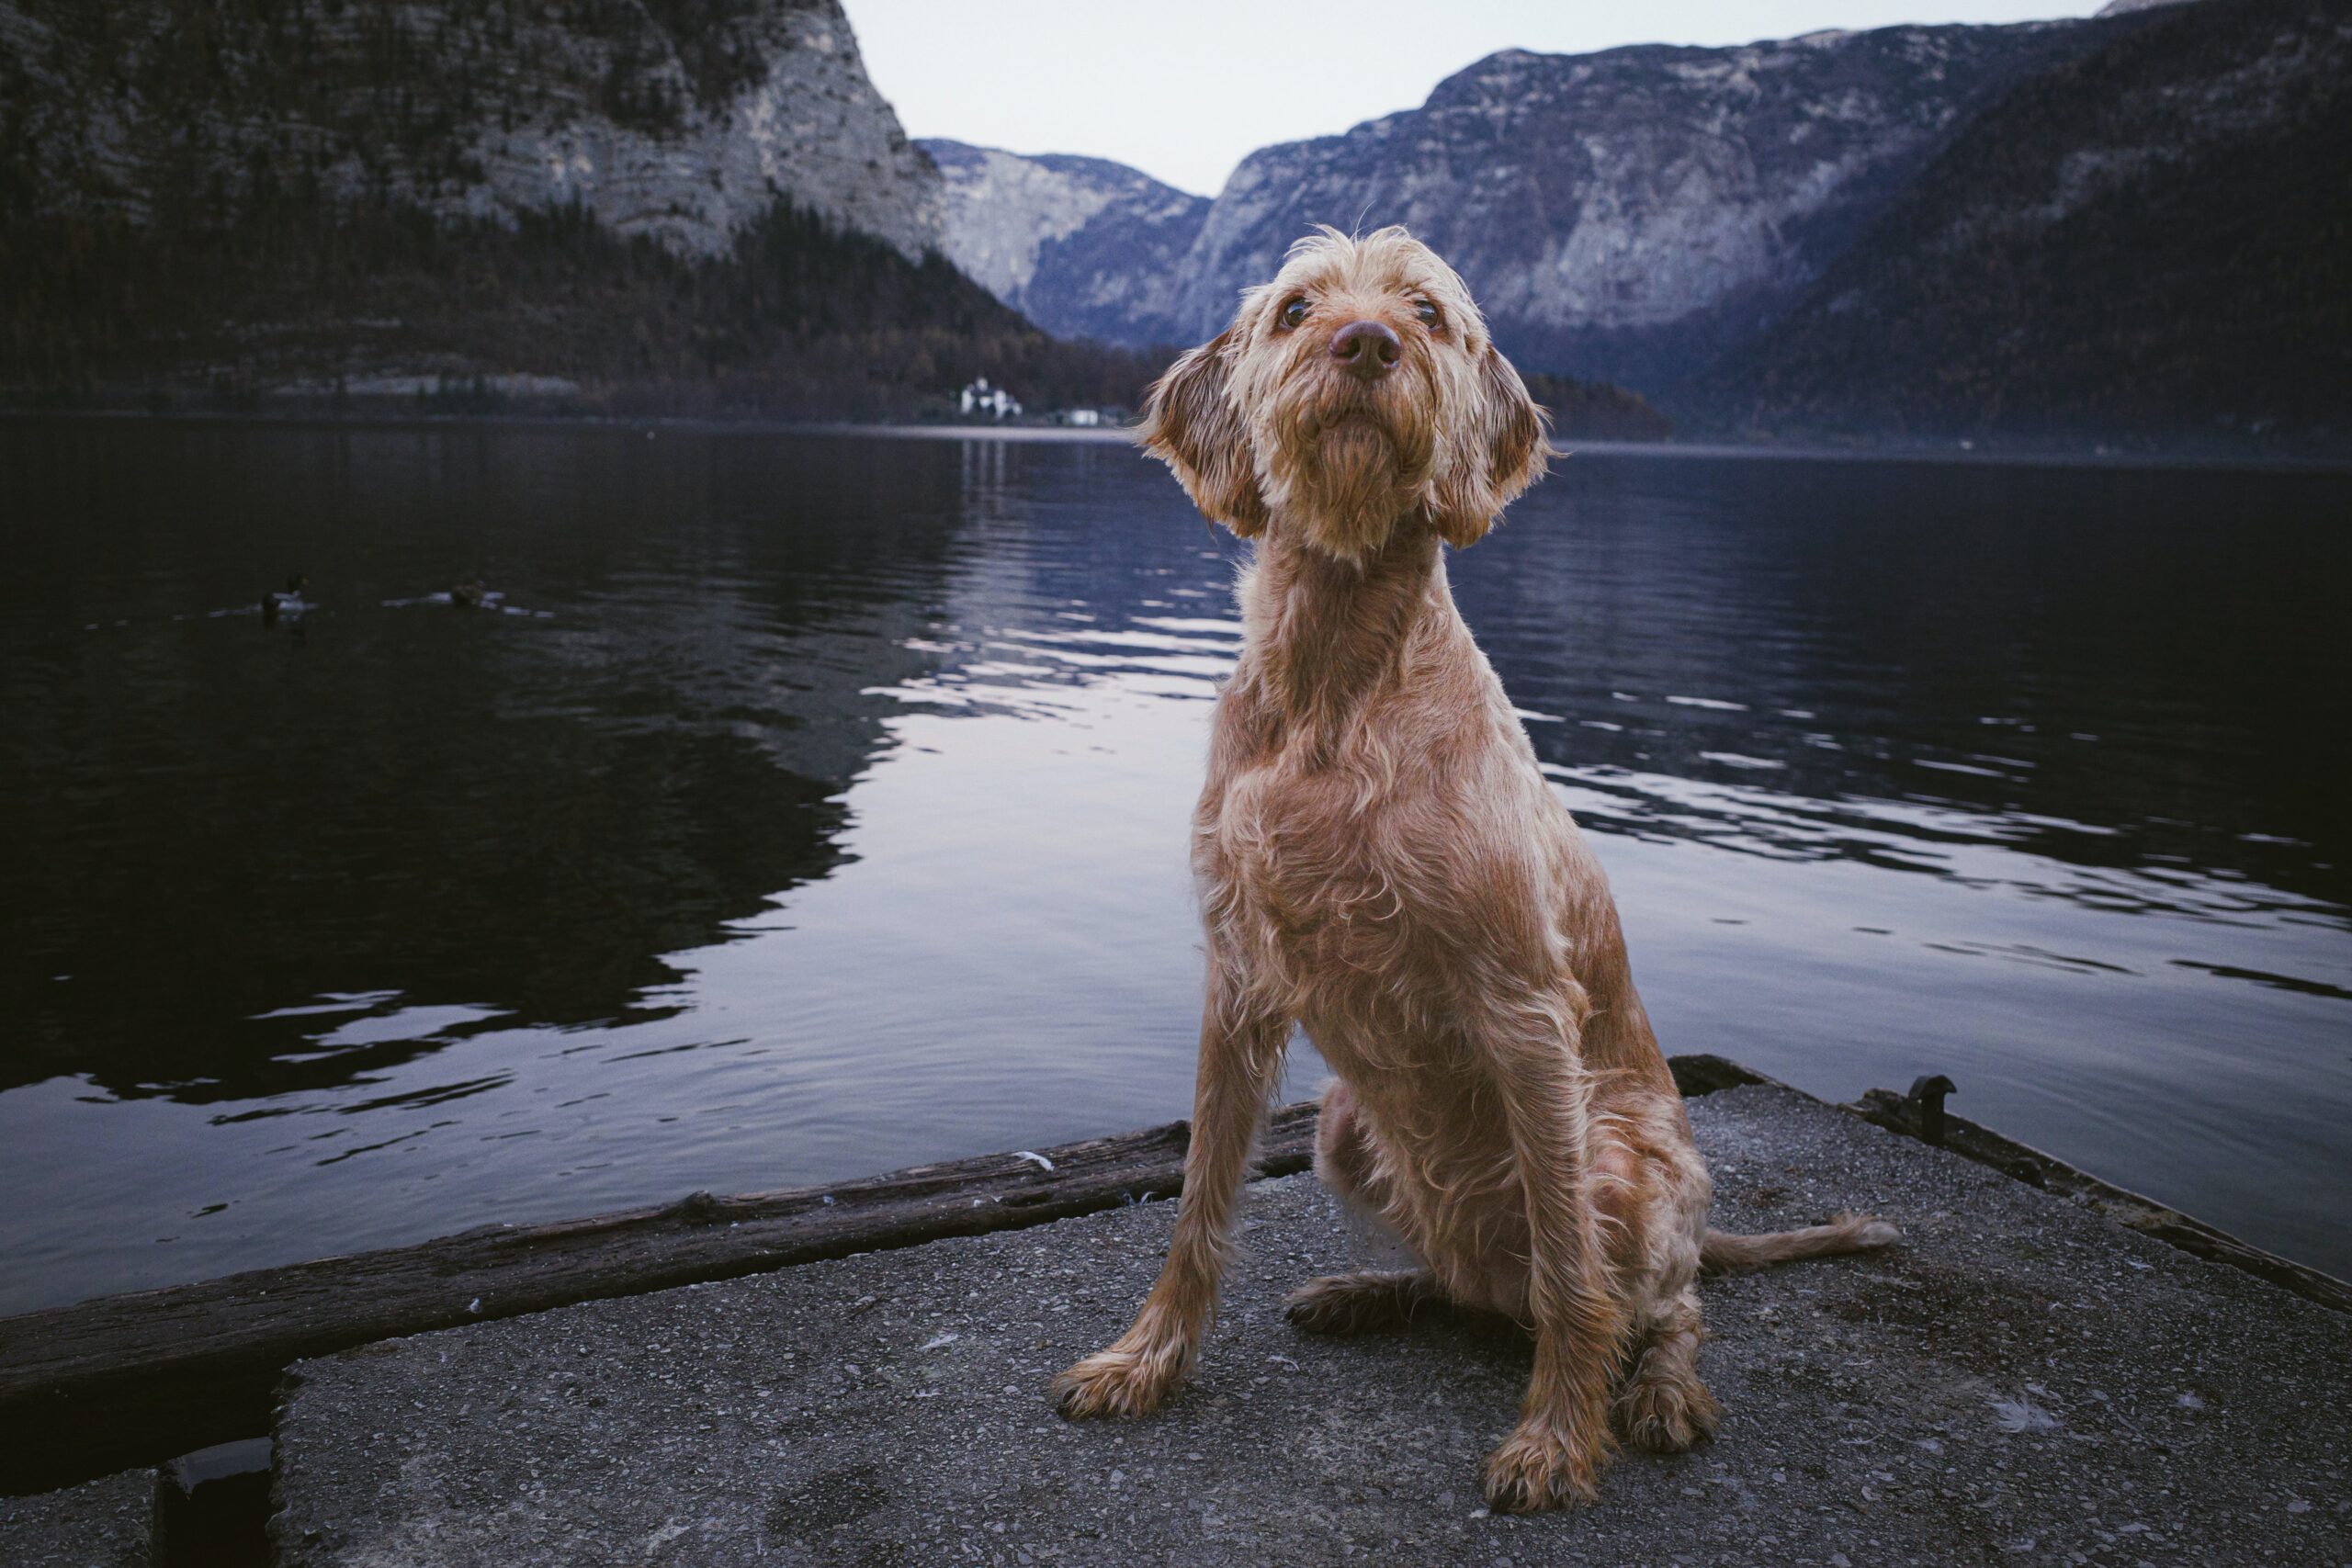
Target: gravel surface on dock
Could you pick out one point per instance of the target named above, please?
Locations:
(103, 1524)
(2018, 1381)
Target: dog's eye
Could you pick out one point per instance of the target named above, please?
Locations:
(1294, 311)
(1427, 310)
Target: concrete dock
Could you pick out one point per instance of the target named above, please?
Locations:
(105, 1524)
(2021, 1381)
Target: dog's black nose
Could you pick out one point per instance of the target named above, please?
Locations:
(1368, 349)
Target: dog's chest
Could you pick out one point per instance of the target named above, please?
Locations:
(1329, 861)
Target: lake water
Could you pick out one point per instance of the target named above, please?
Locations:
(812, 806)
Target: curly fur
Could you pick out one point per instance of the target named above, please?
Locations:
(1380, 860)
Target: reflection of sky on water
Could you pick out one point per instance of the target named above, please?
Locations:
(835, 821)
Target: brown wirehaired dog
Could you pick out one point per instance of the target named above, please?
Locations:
(1380, 861)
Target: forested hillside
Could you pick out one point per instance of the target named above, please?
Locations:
(2150, 243)
(697, 207)
(289, 303)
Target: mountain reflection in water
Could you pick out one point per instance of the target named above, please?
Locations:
(824, 810)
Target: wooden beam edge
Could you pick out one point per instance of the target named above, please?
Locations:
(138, 1378)
(1971, 1140)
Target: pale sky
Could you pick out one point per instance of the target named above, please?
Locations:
(1183, 89)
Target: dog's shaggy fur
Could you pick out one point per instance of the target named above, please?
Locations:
(1380, 860)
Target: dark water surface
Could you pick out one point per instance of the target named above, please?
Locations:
(815, 806)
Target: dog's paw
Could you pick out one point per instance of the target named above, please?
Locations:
(1117, 1382)
(1352, 1303)
(1540, 1466)
(1665, 1415)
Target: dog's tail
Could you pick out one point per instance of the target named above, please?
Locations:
(1723, 1253)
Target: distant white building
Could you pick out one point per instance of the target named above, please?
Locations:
(981, 398)
(1083, 416)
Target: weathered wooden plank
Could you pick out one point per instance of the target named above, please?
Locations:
(1698, 1073)
(1899, 1113)
(136, 1378)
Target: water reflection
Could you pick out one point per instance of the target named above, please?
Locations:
(828, 813)
(2106, 666)
(522, 820)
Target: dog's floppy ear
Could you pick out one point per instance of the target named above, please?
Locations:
(1191, 425)
(1502, 452)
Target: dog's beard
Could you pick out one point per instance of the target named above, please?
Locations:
(1351, 471)
(1350, 462)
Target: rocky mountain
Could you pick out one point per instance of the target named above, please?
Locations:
(1083, 247)
(695, 206)
(1626, 214)
(2061, 230)
(2154, 239)
(681, 120)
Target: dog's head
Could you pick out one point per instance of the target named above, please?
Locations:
(1357, 389)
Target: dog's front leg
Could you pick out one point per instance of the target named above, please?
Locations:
(1562, 1438)
(1241, 1052)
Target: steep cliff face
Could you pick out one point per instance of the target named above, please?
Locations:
(2152, 240)
(680, 121)
(685, 206)
(1626, 214)
(1083, 247)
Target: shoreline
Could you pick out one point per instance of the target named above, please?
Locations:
(2029, 1362)
(133, 1378)
(1925, 455)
